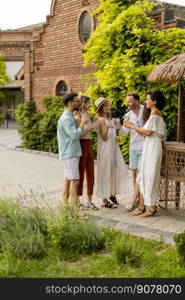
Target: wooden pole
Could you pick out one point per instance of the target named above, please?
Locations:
(179, 121)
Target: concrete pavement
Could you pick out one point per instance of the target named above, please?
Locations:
(9, 138)
(36, 177)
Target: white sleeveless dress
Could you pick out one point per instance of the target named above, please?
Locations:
(149, 175)
(112, 172)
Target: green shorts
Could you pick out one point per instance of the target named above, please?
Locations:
(135, 159)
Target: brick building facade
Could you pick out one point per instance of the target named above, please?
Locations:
(56, 58)
(13, 44)
(53, 62)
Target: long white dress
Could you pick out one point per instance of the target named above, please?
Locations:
(149, 175)
(112, 172)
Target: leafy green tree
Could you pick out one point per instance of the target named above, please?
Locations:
(124, 48)
(3, 75)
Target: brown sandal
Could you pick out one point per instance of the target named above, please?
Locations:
(150, 213)
(137, 212)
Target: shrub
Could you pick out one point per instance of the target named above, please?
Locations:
(48, 123)
(94, 143)
(27, 116)
(74, 235)
(126, 251)
(39, 130)
(124, 144)
(1, 119)
(180, 245)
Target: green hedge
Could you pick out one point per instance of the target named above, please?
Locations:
(39, 129)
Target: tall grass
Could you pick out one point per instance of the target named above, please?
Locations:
(23, 230)
(27, 232)
(74, 235)
(37, 242)
(127, 251)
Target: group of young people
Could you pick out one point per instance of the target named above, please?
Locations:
(147, 129)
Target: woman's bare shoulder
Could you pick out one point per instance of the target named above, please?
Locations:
(101, 120)
(101, 123)
(157, 112)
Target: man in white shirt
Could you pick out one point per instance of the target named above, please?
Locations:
(134, 115)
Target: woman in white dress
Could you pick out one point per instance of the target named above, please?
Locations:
(154, 131)
(112, 172)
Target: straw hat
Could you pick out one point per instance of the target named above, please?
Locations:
(100, 101)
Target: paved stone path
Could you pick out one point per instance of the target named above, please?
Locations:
(36, 177)
(9, 138)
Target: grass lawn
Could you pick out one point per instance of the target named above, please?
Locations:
(39, 244)
(158, 261)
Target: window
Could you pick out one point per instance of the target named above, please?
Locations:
(61, 89)
(85, 27)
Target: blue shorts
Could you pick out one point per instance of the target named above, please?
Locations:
(135, 159)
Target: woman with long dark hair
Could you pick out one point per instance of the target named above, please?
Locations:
(154, 131)
(86, 164)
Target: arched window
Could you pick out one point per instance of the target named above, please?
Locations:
(85, 26)
(61, 88)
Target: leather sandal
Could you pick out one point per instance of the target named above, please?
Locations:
(137, 212)
(109, 205)
(93, 206)
(150, 213)
(114, 200)
(83, 207)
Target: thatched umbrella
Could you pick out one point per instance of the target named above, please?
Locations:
(172, 71)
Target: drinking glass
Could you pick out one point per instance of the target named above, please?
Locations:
(117, 123)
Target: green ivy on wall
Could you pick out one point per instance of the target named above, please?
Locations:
(124, 48)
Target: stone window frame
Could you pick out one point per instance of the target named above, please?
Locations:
(81, 12)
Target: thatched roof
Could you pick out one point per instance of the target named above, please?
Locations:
(171, 70)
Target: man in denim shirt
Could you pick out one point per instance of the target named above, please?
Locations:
(69, 146)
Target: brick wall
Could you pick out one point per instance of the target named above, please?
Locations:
(168, 15)
(57, 55)
(13, 43)
(13, 51)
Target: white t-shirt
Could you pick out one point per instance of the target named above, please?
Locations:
(136, 139)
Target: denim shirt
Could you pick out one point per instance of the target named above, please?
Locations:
(68, 136)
